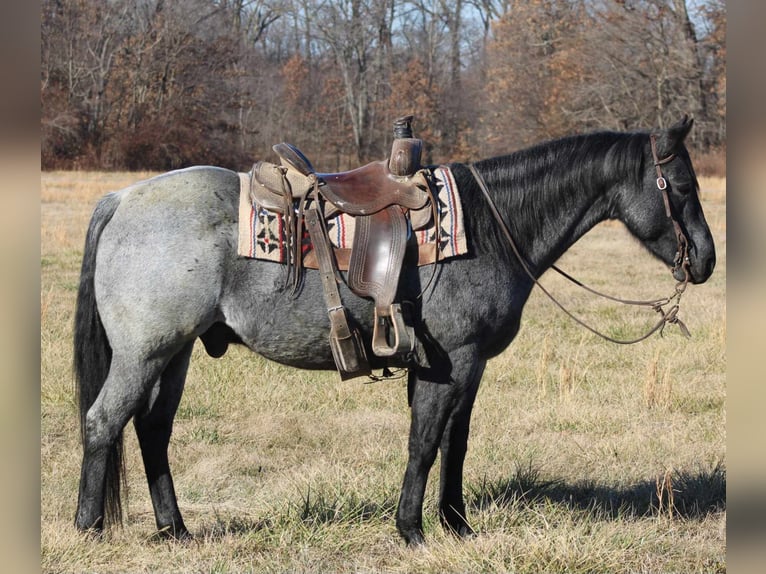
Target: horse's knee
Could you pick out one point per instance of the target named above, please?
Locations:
(95, 439)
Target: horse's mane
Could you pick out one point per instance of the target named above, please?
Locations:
(533, 185)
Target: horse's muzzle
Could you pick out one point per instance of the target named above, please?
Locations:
(699, 270)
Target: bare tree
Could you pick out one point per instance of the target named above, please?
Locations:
(559, 66)
(358, 34)
(649, 53)
(80, 41)
(156, 84)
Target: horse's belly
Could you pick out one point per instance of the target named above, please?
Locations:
(272, 322)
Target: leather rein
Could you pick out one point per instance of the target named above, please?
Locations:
(681, 261)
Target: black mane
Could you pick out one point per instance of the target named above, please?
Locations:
(535, 185)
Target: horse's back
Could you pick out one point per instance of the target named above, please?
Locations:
(160, 260)
(181, 192)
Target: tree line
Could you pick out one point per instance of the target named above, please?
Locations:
(155, 84)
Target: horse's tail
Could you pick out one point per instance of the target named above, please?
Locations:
(93, 354)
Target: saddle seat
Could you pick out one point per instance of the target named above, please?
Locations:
(364, 190)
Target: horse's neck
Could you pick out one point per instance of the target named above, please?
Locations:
(549, 211)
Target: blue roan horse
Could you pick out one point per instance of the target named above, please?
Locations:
(160, 270)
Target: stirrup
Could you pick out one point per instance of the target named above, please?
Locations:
(391, 335)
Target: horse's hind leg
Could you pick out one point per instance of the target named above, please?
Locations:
(123, 391)
(154, 424)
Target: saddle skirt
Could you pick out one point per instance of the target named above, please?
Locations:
(263, 231)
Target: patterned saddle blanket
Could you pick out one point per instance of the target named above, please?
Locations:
(263, 234)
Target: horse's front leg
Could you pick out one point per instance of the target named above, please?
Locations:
(435, 396)
(453, 447)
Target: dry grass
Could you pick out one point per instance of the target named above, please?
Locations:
(584, 456)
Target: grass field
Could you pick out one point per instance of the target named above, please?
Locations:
(584, 456)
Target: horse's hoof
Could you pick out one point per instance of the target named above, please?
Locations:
(173, 534)
(465, 532)
(96, 534)
(457, 525)
(413, 538)
(461, 529)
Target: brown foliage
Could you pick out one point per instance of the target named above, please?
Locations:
(163, 85)
(559, 67)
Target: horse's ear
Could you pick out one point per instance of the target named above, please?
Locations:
(681, 129)
(668, 140)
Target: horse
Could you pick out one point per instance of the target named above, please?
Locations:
(160, 269)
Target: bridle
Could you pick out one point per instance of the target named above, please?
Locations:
(681, 261)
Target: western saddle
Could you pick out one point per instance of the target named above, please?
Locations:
(382, 196)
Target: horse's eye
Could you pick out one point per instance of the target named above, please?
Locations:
(684, 188)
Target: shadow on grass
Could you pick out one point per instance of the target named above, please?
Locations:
(233, 526)
(690, 495)
(322, 508)
(313, 509)
(687, 495)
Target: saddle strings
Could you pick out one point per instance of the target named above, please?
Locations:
(667, 316)
(294, 224)
(436, 215)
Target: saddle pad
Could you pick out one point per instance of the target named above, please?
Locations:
(262, 233)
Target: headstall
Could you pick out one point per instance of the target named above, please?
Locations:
(681, 261)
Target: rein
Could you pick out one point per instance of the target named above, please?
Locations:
(681, 261)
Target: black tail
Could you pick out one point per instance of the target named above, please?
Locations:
(93, 355)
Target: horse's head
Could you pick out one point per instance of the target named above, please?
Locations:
(665, 213)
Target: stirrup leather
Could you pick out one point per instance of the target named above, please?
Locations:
(345, 342)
